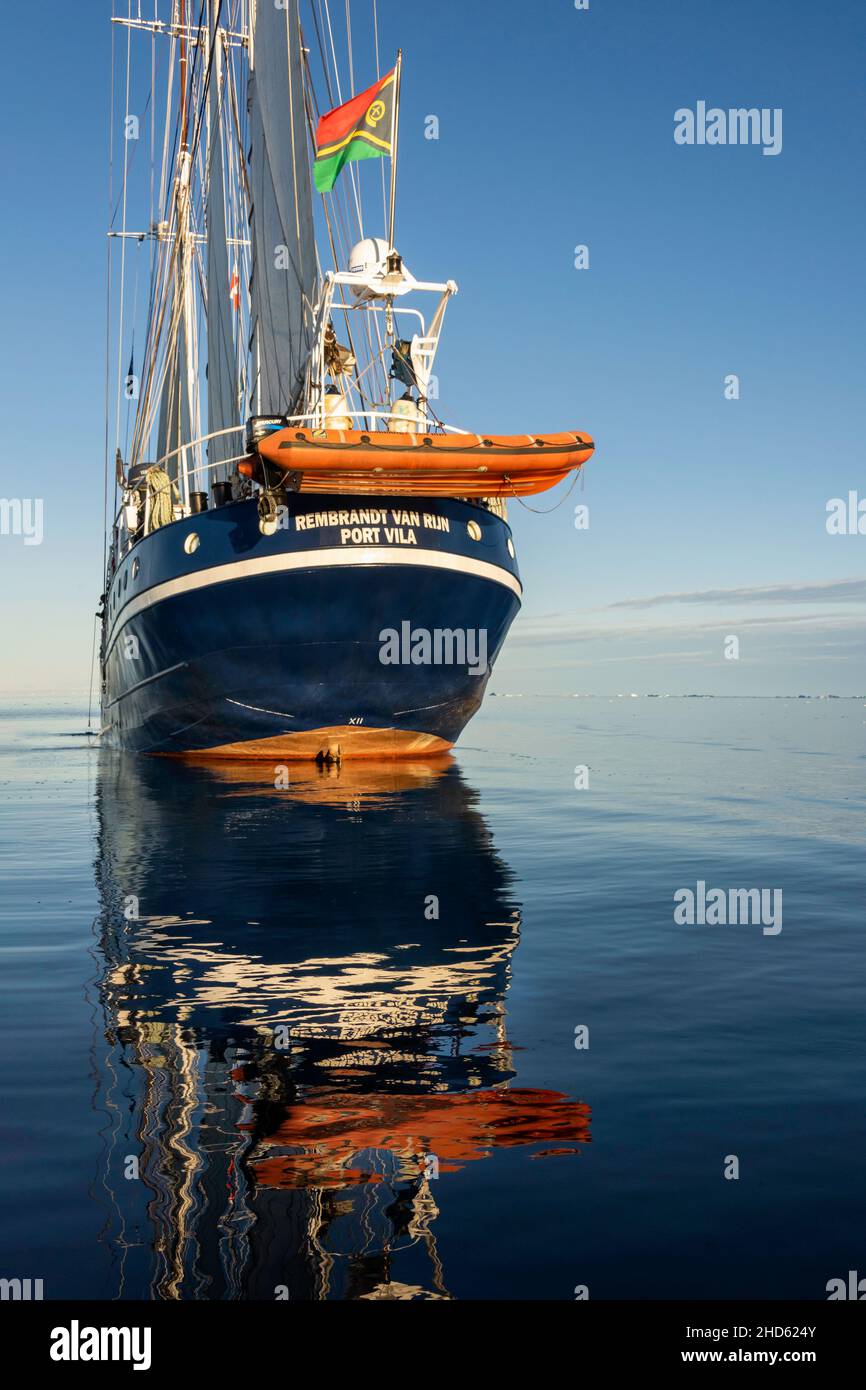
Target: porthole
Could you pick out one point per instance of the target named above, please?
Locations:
(136, 566)
(192, 543)
(511, 550)
(474, 530)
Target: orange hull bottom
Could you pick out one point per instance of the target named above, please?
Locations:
(338, 741)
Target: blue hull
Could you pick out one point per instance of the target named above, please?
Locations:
(220, 640)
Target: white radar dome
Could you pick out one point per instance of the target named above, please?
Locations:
(367, 256)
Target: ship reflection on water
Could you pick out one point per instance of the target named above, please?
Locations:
(303, 1034)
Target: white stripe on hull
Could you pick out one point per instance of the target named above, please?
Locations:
(310, 559)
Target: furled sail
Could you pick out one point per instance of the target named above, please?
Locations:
(174, 427)
(283, 243)
(222, 394)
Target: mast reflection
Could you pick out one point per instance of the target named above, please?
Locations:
(303, 993)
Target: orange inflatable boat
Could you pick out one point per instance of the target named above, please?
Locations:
(426, 465)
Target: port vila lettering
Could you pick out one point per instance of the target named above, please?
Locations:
(374, 526)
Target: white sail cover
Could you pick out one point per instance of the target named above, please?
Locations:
(283, 245)
(222, 391)
(174, 425)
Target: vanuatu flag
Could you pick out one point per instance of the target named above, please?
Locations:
(362, 128)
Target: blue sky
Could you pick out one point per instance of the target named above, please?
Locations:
(707, 516)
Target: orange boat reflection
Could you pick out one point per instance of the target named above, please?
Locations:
(348, 782)
(451, 1130)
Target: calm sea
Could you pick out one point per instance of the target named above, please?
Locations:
(432, 1030)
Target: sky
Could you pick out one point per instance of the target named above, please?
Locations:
(707, 515)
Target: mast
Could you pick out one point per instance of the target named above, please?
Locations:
(179, 420)
(186, 460)
(222, 392)
(394, 138)
(184, 118)
(232, 236)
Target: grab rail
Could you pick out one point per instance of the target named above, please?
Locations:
(309, 417)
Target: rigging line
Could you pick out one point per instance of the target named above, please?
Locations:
(131, 157)
(291, 85)
(349, 45)
(184, 117)
(152, 344)
(145, 421)
(169, 162)
(322, 54)
(351, 170)
(92, 668)
(188, 384)
(241, 155)
(152, 96)
(338, 199)
(234, 174)
(325, 67)
(108, 304)
(182, 123)
(545, 511)
(378, 75)
(240, 187)
(203, 102)
(309, 100)
(132, 346)
(347, 240)
(229, 193)
(225, 350)
(177, 138)
(123, 246)
(159, 301)
(201, 328)
(168, 151)
(355, 171)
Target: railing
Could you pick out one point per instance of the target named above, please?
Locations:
(124, 539)
(311, 417)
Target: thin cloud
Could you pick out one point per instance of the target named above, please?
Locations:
(832, 590)
(530, 631)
